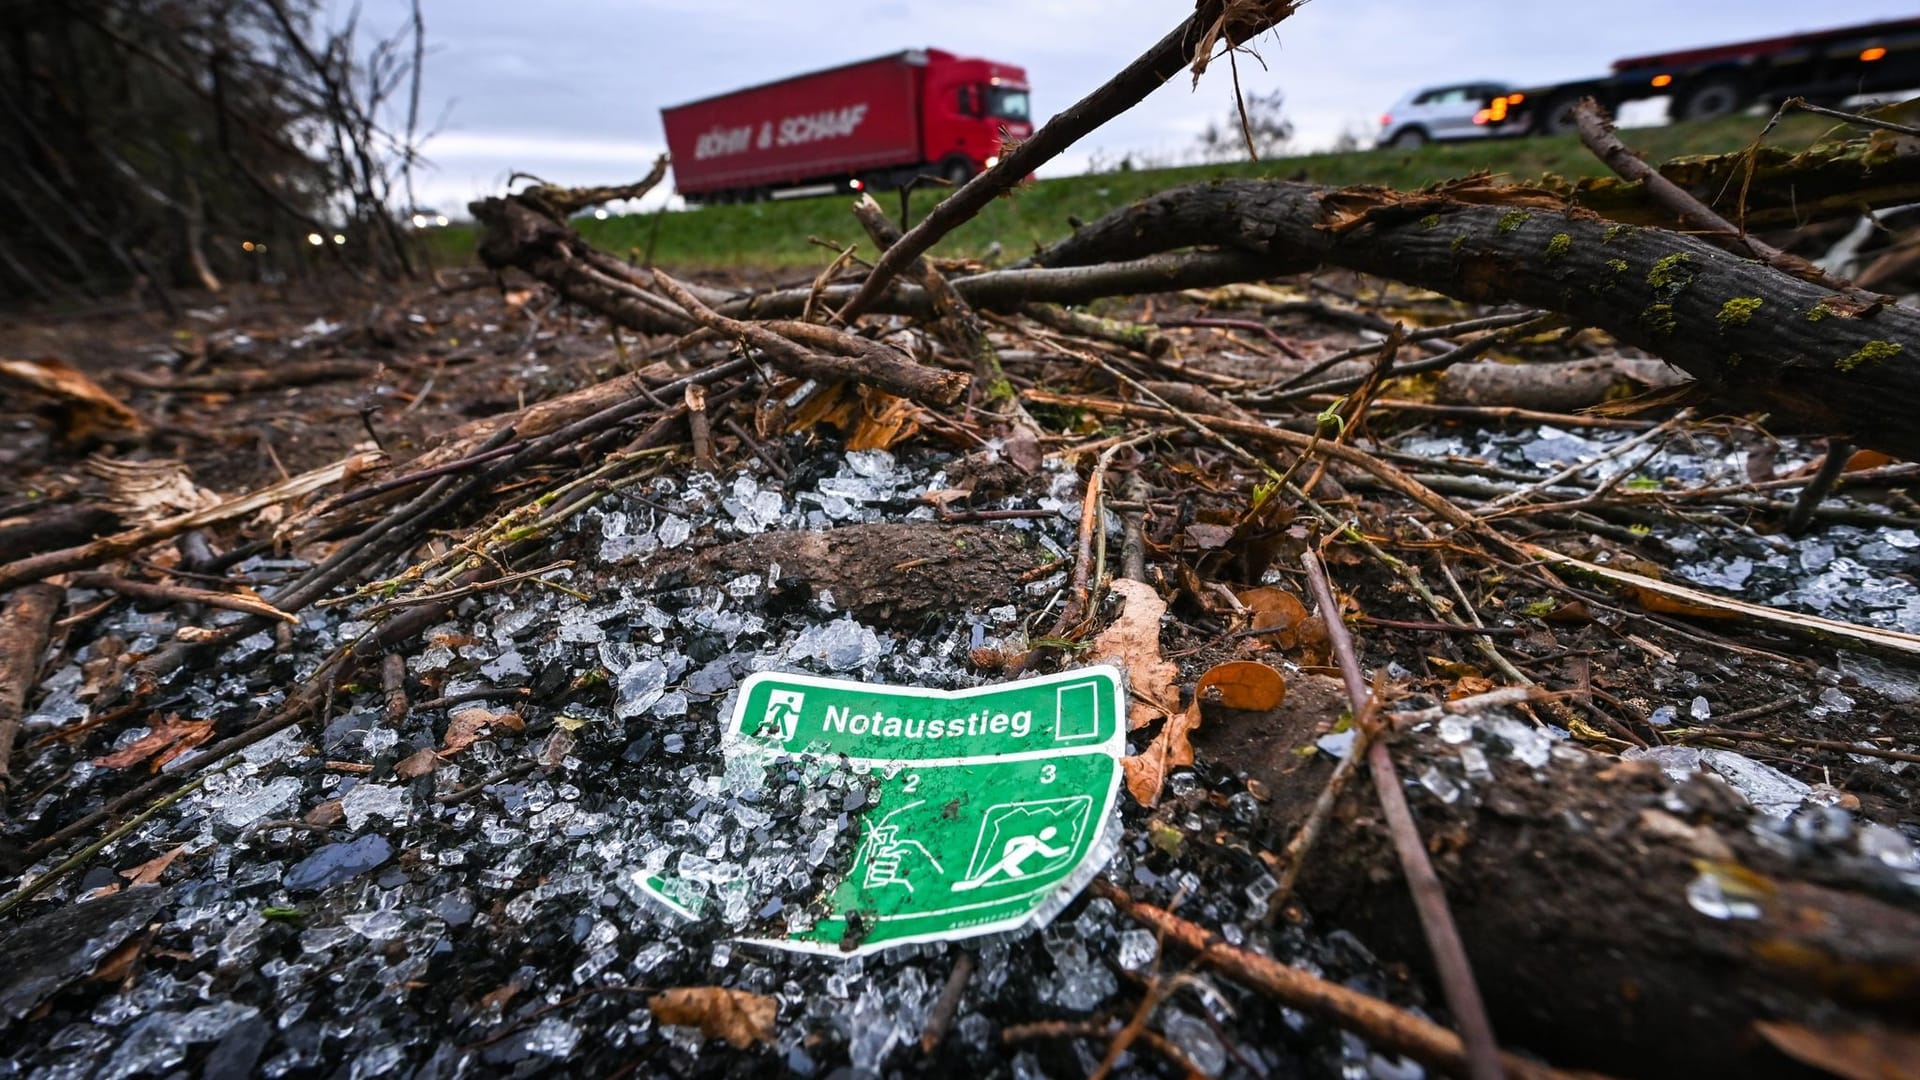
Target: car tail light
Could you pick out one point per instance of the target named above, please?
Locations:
(1515, 99)
(1386, 119)
(1875, 53)
(1483, 116)
(1663, 80)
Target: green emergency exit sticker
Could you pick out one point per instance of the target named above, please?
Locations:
(992, 808)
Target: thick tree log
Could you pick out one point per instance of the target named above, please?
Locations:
(1615, 921)
(1753, 338)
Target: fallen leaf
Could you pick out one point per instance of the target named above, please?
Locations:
(1133, 640)
(1454, 669)
(148, 873)
(741, 1018)
(1146, 771)
(84, 409)
(326, 814)
(1242, 684)
(1867, 459)
(1468, 686)
(168, 738)
(417, 764)
(470, 725)
(1207, 537)
(882, 421)
(1276, 610)
(1672, 605)
(1861, 1053)
(118, 964)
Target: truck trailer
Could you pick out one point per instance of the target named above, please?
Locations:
(1825, 66)
(873, 124)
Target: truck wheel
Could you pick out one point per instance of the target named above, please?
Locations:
(1411, 138)
(956, 171)
(1714, 95)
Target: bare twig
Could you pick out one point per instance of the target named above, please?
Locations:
(1443, 938)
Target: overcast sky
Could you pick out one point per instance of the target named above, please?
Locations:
(571, 90)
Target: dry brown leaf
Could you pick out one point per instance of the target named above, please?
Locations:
(168, 738)
(1207, 537)
(85, 411)
(882, 421)
(1861, 460)
(148, 873)
(1454, 669)
(470, 725)
(326, 814)
(118, 964)
(1274, 609)
(1469, 686)
(1673, 605)
(741, 1018)
(417, 764)
(1146, 771)
(1242, 684)
(1862, 1053)
(1133, 641)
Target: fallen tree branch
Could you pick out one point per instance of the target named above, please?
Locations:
(869, 362)
(1753, 338)
(180, 594)
(125, 543)
(1597, 132)
(1374, 1020)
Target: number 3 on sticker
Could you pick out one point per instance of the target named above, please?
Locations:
(1047, 773)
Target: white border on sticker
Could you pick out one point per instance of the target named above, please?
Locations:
(1105, 822)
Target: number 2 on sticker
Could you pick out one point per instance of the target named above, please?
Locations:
(1047, 773)
(911, 783)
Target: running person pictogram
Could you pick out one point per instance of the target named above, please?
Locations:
(1014, 856)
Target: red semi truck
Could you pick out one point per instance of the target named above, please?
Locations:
(873, 124)
(1824, 65)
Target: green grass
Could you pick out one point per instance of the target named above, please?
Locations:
(776, 234)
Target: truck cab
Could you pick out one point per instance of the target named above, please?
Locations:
(972, 108)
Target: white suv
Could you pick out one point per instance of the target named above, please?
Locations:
(1439, 113)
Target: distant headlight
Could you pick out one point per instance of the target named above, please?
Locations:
(992, 161)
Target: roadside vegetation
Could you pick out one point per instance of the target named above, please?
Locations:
(770, 235)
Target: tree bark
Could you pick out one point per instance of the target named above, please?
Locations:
(1577, 888)
(1754, 339)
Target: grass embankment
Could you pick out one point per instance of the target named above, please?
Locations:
(775, 234)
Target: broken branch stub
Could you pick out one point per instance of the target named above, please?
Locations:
(1754, 339)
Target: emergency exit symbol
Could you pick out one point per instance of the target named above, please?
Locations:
(1023, 841)
(783, 708)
